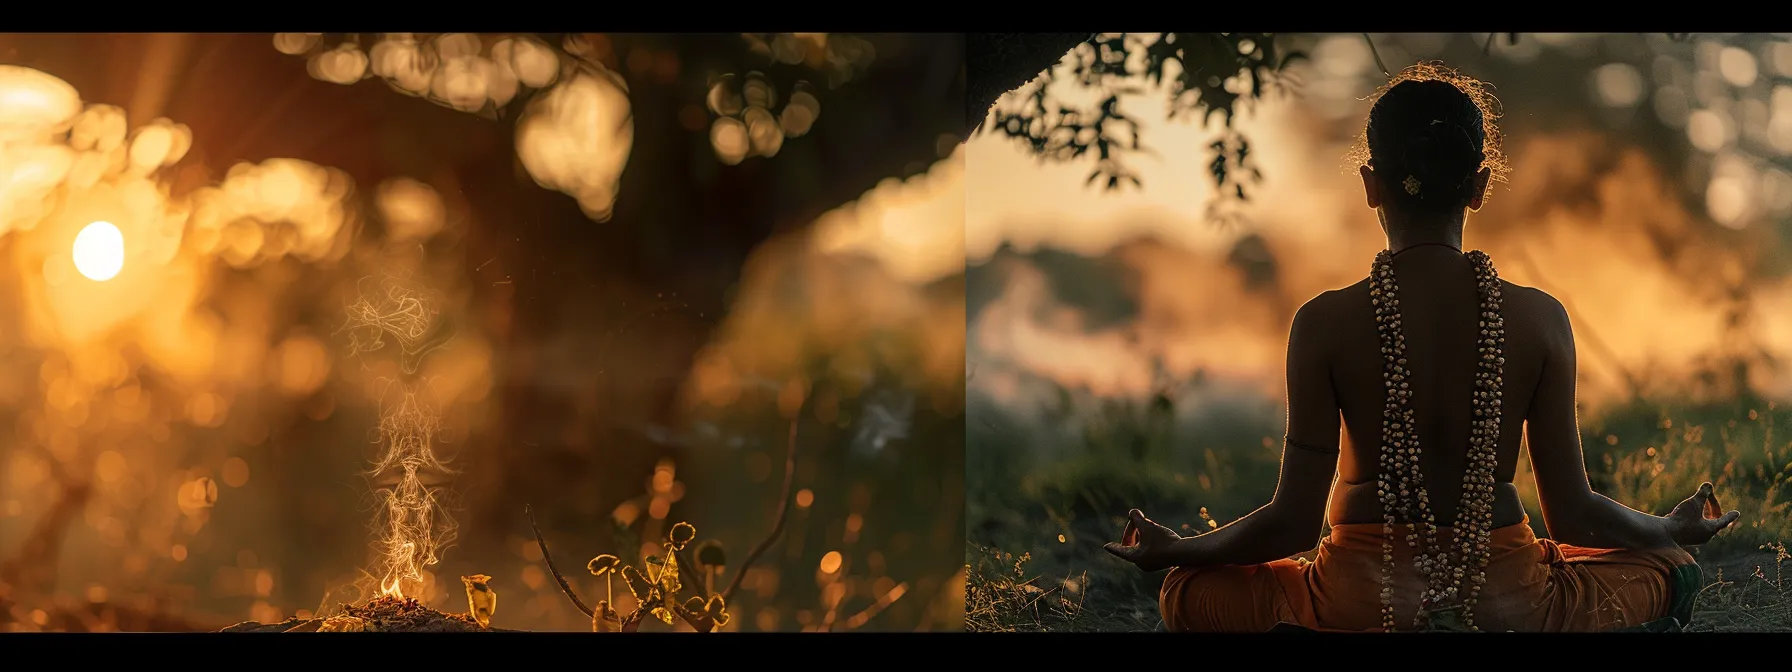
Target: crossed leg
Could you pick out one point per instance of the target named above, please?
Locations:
(1543, 587)
(1234, 598)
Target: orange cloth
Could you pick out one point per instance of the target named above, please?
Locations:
(1533, 585)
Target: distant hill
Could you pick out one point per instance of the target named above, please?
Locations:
(1097, 286)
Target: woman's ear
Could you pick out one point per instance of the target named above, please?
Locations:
(1480, 197)
(1371, 188)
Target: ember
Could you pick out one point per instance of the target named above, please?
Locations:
(383, 614)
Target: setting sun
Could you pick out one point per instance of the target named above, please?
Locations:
(99, 251)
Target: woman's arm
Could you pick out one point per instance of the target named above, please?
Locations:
(1291, 522)
(1572, 511)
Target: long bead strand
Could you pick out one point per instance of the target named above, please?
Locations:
(1400, 485)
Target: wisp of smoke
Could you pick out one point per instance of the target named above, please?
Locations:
(410, 525)
(390, 308)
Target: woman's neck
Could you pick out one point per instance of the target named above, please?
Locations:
(1428, 233)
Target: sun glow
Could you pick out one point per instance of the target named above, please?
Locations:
(99, 251)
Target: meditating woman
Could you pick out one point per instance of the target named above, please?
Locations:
(1434, 365)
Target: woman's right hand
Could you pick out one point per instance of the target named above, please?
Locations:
(1698, 519)
(1145, 543)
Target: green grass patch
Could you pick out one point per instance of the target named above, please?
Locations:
(1045, 492)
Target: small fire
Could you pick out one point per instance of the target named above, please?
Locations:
(410, 535)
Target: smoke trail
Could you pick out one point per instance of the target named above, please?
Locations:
(410, 524)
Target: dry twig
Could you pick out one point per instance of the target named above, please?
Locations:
(549, 559)
(778, 524)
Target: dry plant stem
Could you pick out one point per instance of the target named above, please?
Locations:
(854, 621)
(783, 514)
(685, 570)
(633, 621)
(549, 559)
(702, 622)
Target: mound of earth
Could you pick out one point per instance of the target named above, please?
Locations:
(385, 614)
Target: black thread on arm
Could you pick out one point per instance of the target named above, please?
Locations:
(1311, 449)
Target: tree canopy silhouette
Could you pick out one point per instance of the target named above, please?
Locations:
(1201, 75)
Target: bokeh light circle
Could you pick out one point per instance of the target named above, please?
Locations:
(99, 251)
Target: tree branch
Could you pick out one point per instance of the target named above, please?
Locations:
(783, 514)
(1377, 54)
(1583, 329)
(997, 63)
(549, 559)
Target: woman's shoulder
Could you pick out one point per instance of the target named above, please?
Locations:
(1522, 298)
(1330, 304)
(1533, 316)
(1348, 295)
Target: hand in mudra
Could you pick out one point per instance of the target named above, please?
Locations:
(1144, 543)
(1699, 518)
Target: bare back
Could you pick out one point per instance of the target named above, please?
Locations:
(1439, 313)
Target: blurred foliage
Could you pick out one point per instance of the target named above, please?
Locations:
(786, 58)
(594, 327)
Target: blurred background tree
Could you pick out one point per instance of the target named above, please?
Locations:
(591, 328)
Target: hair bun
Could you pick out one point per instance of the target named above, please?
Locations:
(1441, 156)
(1430, 132)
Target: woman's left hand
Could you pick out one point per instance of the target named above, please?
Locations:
(1699, 518)
(1145, 543)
